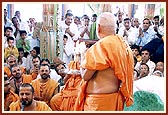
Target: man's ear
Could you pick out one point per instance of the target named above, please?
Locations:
(98, 28)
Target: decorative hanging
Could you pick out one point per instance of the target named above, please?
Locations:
(49, 33)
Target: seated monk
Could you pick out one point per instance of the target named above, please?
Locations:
(8, 72)
(65, 100)
(34, 71)
(9, 95)
(45, 87)
(17, 78)
(26, 101)
(11, 61)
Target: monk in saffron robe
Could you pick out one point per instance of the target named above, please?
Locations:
(45, 87)
(9, 95)
(8, 71)
(26, 101)
(35, 69)
(65, 100)
(18, 78)
(11, 61)
(107, 71)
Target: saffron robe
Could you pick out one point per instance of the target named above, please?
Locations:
(110, 52)
(65, 100)
(44, 90)
(8, 71)
(14, 96)
(40, 106)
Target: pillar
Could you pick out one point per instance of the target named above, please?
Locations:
(130, 13)
(49, 38)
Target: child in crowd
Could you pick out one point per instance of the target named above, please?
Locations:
(8, 32)
(22, 42)
(21, 58)
(10, 49)
(136, 52)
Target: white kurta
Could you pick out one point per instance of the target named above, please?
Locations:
(69, 47)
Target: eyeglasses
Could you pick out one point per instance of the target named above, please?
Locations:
(12, 61)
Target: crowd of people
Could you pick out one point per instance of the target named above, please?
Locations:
(101, 77)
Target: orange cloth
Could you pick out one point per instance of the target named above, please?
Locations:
(56, 101)
(110, 52)
(14, 96)
(8, 72)
(45, 90)
(34, 75)
(65, 100)
(163, 38)
(103, 102)
(40, 106)
(27, 78)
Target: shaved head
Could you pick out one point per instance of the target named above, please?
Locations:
(105, 24)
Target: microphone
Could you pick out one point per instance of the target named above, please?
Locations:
(23, 105)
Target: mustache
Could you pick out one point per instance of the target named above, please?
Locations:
(45, 76)
(17, 74)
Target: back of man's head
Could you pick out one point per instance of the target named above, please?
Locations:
(106, 21)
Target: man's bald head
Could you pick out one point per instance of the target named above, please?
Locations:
(106, 24)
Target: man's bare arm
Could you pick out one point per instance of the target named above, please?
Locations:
(87, 74)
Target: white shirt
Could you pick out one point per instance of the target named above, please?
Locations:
(29, 63)
(121, 25)
(73, 28)
(69, 48)
(8, 23)
(132, 35)
(24, 61)
(67, 57)
(81, 29)
(150, 63)
(22, 26)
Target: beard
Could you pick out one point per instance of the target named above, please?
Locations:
(18, 76)
(45, 76)
(27, 103)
